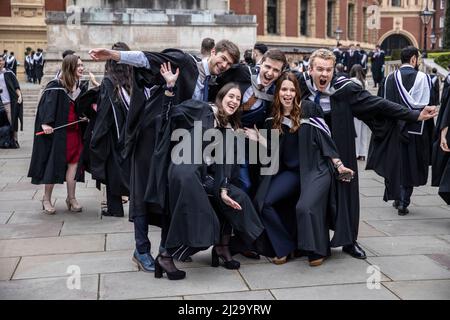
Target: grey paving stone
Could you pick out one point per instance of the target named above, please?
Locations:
(369, 183)
(4, 217)
(125, 241)
(21, 186)
(444, 237)
(299, 273)
(30, 230)
(416, 212)
(89, 263)
(415, 267)
(241, 295)
(134, 285)
(165, 298)
(413, 227)
(366, 230)
(51, 245)
(335, 292)
(9, 179)
(372, 202)
(101, 226)
(421, 290)
(440, 258)
(7, 267)
(81, 192)
(49, 289)
(17, 195)
(406, 245)
(428, 200)
(61, 215)
(22, 205)
(446, 207)
(2, 186)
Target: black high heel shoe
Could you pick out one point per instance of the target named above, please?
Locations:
(174, 275)
(215, 262)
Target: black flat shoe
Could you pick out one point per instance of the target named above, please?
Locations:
(355, 251)
(106, 213)
(402, 211)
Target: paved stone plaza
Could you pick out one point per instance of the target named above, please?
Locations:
(412, 252)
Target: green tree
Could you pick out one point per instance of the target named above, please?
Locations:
(446, 33)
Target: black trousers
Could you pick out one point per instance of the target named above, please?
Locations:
(143, 244)
(284, 185)
(114, 202)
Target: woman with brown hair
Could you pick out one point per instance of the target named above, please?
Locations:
(294, 201)
(56, 152)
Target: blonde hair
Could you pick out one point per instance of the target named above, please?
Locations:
(322, 54)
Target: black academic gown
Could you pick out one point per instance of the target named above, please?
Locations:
(106, 163)
(315, 208)
(16, 108)
(48, 160)
(377, 67)
(441, 159)
(415, 155)
(144, 123)
(350, 100)
(196, 214)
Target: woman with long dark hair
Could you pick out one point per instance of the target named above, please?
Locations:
(56, 153)
(204, 204)
(106, 145)
(294, 201)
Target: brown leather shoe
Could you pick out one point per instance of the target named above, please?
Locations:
(277, 260)
(316, 263)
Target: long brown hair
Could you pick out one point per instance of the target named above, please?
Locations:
(277, 107)
(235, 118)
(69, 71)
(121, 74)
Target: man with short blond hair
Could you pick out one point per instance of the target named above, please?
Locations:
(341, 99)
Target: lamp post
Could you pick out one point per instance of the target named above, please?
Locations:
(338, 33)
(433, 40)
(425, 16)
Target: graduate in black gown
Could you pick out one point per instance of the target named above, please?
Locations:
(147, 207)
(441, 155)
(342, 100)
(295, 201)
(56, 154)
(205, 204)
(107, 141)
(257, 86)
(411, 88)
(377, 59)
(11, 97)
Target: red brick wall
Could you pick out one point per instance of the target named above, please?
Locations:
(415, 27)
(5, 8)
(321, 18)
(386, 25)
(55, 5)
(292, 16)
(237, 6)
(343, 18)
(257, 8)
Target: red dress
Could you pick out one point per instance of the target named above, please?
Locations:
(74, 144)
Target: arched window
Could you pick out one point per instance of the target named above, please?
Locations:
(396, 3)
(304, 17)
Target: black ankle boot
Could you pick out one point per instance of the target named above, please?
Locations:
(172, 275)
(215, 261)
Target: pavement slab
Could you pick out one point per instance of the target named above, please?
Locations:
(49, 289)
(417, 267)
(421, 290)
(134, 285)
(413, 227)
(30, 230)
(406, 245)
(51, 245)
(89, 263)
(7, 267)
(358, 291)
